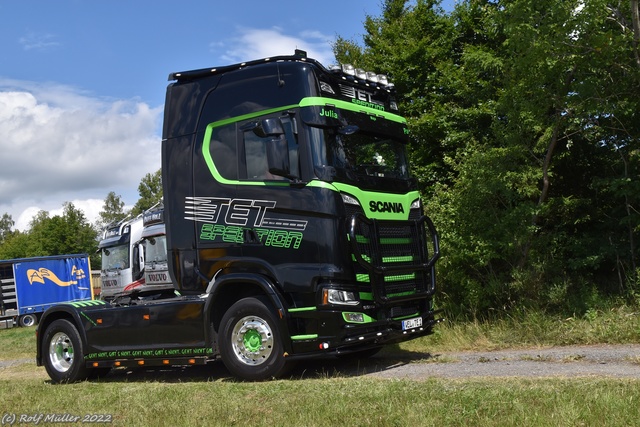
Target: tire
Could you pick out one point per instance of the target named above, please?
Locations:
(28, 320)
(250, 342)
(63, 352)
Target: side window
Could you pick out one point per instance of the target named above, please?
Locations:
(223, 150)
(256, 157)
(255, 152)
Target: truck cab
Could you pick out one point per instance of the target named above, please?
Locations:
(120, 265)
(152, 250)
(294, 229)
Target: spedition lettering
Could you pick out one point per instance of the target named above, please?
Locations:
(268, 237)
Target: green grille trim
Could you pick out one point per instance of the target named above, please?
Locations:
(416, 314)
(366, 296)
(401, 294)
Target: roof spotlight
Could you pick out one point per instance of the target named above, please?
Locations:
(348, 69)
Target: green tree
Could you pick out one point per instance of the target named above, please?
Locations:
(112, 210)
(525, 142)
(6, 224)
(150, 190)
(15, 246)
(57, 235)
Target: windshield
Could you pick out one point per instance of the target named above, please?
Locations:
(155, 249)
(115, 257)
(358, 157)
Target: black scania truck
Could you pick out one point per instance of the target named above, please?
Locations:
(294, 229)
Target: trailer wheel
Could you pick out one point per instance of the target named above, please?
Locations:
(28, 320)
(63, 356)
(250, 342)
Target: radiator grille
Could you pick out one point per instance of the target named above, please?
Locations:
(395, 257)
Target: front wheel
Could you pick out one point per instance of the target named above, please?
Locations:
(63, 357)
(250, 342)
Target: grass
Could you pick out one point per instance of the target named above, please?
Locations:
(618, 325)
(206, 395)
(331, 401)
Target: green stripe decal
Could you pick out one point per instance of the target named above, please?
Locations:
(88, 318)
(299, 309)
(207, 142)
(321, 101)
(89, 303)
(304, 337)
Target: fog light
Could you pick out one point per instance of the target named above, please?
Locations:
(354, 317)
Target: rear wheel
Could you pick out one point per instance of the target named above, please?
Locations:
(250, 342)
(27, 320)
(63, 356)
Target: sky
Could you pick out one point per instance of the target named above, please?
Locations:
(82, 83)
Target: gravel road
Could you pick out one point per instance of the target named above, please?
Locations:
(622, 361)
(617, 361)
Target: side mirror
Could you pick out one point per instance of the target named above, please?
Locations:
(269, 127)
(141, 256)
(278, 157)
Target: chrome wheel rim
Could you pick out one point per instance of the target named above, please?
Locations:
(61, 352)
(252, 340)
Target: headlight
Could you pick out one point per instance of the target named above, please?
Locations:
(349, 199)
(336, 296)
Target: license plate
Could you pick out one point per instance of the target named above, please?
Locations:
(411, 323)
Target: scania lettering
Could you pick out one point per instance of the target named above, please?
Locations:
(386, 207)
(294, 230)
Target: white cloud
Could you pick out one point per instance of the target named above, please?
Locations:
(255, 43)
(39, 41)
(59, 144)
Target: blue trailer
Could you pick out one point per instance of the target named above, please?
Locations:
(29, 286)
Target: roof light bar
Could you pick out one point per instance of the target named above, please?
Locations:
(360, 74)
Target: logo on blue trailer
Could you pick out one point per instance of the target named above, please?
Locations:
(44, 282)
